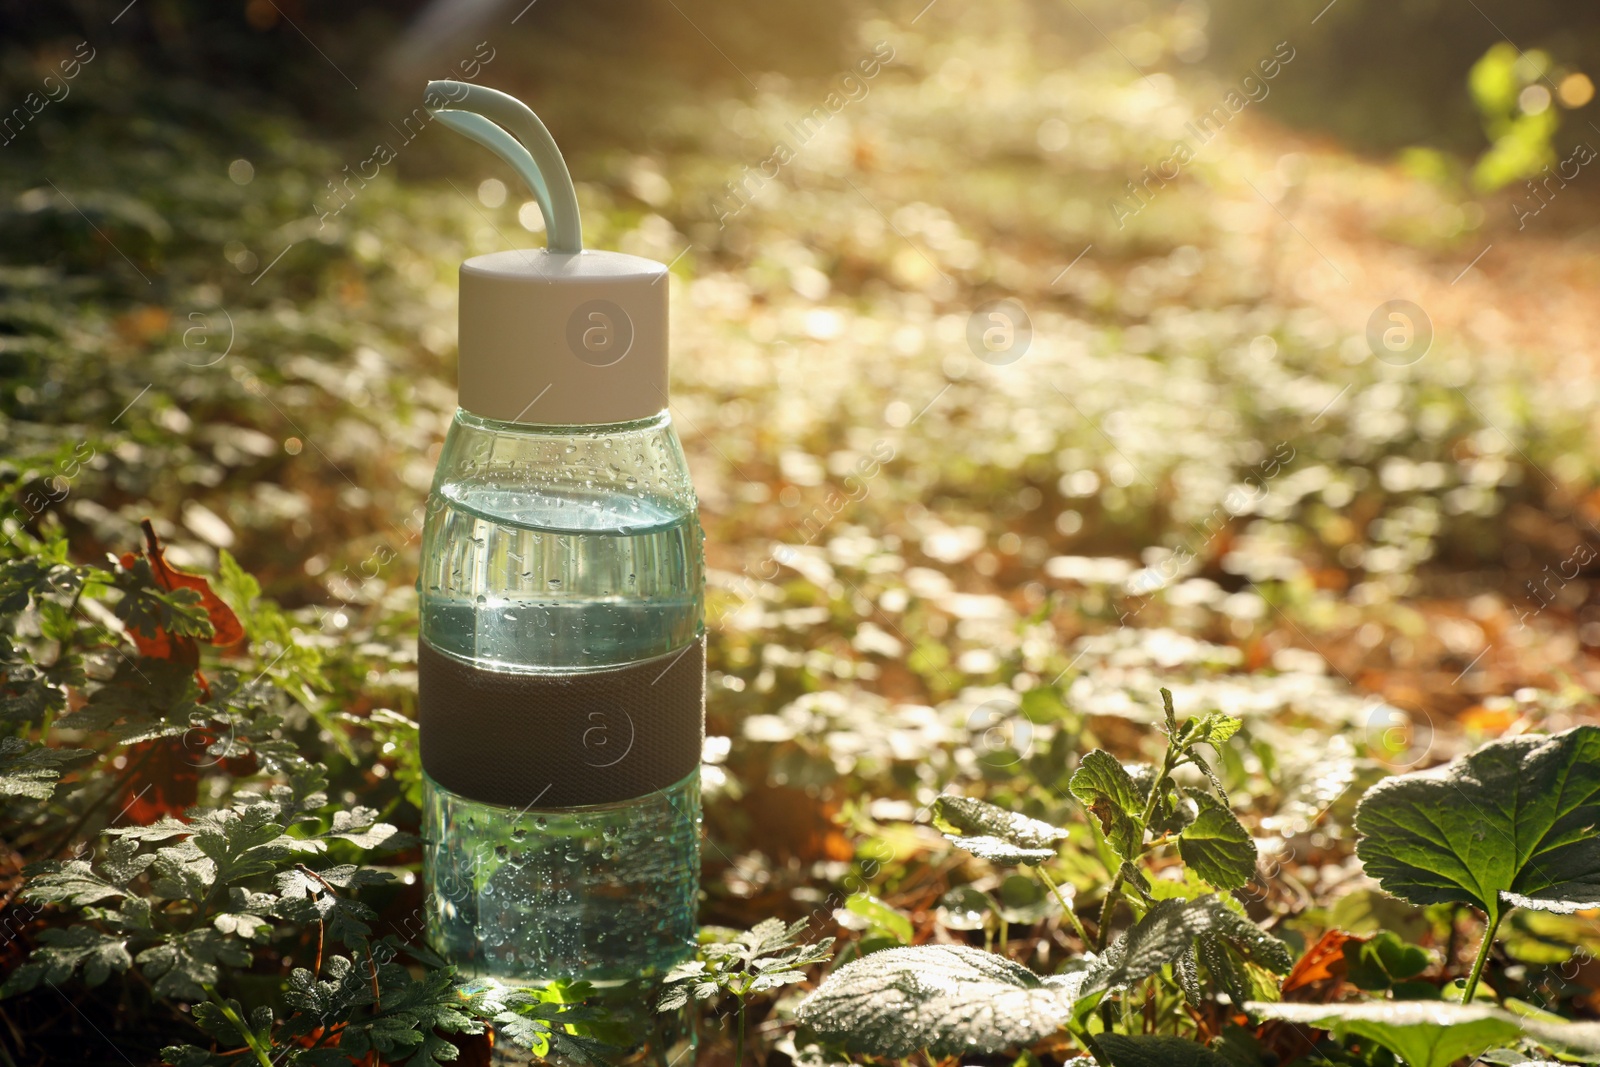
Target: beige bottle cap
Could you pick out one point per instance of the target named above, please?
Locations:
(563, 339)
(560, 336)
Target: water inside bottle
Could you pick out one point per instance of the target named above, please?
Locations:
(529, 582)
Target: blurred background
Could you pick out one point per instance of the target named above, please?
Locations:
(1292, 406)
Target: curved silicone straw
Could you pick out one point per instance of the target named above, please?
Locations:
(486, 115)
(477, 128)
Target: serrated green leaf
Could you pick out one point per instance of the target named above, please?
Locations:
(766, 956)
(1156, 1051)
(1512, 824)
(360, 827)
(190, 1056)
(1105, 788)
(163, 829)
(213, 1020)
(63, 951)
(1171, 932)
(1218, 846)
(948, 999)
(32, 770)
(1423, 1034)
(557, 1023)
(977, 818)
(1002, 852)
(1212, 728)
(74, 882)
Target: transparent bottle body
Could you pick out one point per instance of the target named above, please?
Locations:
(550, 550)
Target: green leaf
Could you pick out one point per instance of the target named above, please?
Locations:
(184, 964)
(1579, 1039)
(1171, 933)
(880, 915)
(191, 1056)
(73, 882)
(213, 1020)
(948, 999)
(61, 952)
(1024, 900)
(1213, 728)
(360, 827)
(1106, 789)
(1001, 852)
(1217, 846)
(31, 770)
(765, 957)
(1422, 1033)
(1125, 1051)
(1376, 965)
(1512, 824)
(555, 1023)
(977, 818)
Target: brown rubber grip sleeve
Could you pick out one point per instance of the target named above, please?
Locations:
(560, 740)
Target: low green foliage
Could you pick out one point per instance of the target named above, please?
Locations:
(1435, 1035)
(1510, 825)
(1514, 824)
(1386, 963)
(948, 999)
(194, 905)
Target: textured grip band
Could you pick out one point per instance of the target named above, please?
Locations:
(561, 740)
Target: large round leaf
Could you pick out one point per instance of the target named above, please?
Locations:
(1514, 823)
(949, 999)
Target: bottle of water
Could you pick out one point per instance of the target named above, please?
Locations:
(561, 654)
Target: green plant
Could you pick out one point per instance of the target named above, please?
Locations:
(1510, 825)
(762, 959)
(198, 901)
(1385, 963)
(1521, 138)
(950, 998)
(1442, 836)
(1435, 1035)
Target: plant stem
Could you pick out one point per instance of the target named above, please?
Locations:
(1168, 759)
(1066, 906)
(240, 1025)
(1106, 909)
(1483, 958)
(1087, 1041)
(739, 1062)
